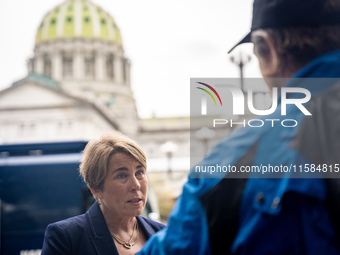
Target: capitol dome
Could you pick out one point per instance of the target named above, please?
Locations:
(78, 19)
(79, 46)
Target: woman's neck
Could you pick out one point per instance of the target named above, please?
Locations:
(115, 223)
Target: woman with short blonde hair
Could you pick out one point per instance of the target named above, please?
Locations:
(114, 168)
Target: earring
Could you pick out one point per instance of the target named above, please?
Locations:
(98, 201)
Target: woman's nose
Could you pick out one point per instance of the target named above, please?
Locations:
(134, 185)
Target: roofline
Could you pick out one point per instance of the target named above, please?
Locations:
(101, 110)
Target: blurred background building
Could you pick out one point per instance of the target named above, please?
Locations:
(78, 86)
(78, 81)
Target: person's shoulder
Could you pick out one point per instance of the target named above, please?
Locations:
(67, 236)
(154, 224)
(73, 224)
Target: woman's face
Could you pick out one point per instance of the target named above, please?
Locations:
(124, 191)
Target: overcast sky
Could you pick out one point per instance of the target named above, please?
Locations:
(167, 42)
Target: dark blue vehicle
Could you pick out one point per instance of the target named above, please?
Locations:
(39, 184)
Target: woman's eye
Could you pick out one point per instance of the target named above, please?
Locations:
(121, 176)
(140, 173)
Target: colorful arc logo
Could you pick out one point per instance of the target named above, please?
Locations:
(212, 89)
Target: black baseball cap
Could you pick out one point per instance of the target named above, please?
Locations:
(289, 13)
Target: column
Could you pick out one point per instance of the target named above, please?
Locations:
(99, 66)
(78, 65)
(57, 66)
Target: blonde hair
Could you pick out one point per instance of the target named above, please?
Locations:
(94, 163)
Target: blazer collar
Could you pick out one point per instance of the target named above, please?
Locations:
(145, 227)
(101, 236)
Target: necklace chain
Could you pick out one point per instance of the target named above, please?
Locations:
(128, 244)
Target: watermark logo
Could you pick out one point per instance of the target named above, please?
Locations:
(240, 106)
(238, 100)
(204, 100)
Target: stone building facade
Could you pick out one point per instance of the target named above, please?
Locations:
(78, 86)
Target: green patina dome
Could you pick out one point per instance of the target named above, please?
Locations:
(78, 19)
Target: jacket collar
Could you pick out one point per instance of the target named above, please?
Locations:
(319, 75)
(145, 227)
(100, 234)
(325, 66)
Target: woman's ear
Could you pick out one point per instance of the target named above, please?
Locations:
(97, 193)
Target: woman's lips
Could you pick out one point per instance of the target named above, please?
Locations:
(135, 201)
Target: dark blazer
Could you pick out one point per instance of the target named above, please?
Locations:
(88, 234)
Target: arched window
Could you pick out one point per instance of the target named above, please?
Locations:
(110, 66)
(67, 66)
(89, 66)
(47, 66)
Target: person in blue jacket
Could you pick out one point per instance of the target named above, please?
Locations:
(297, 41)
(114, 168)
